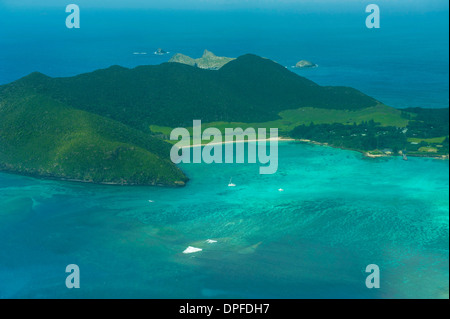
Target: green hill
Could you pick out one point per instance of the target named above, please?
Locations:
(94, 127)
(42, 137)
(183, 59)
(248, 89)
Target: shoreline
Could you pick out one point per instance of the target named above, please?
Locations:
(279, 139)
(178, 184)
(368, 155)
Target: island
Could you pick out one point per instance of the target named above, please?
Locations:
(208, 60)
(305, 64)
(112, 126)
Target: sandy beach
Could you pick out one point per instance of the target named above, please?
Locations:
(240, 141)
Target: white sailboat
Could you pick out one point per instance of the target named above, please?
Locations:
(230, 184)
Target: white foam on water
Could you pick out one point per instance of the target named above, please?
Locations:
(211, 241)
(191, 250)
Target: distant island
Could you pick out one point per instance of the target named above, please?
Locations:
(208, 60)
(305, 64)
(160, 51)
(112, 126)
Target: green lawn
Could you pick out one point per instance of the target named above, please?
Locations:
(427, 149)
(435, 140)
(383, 114)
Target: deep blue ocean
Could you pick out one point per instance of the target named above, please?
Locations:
(403, 64)
(338, 213)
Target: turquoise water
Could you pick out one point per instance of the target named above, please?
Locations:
(339, 212)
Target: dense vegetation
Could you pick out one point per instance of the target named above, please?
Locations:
(94, 127)
(427, 123)
(365, 136)
(426, 134)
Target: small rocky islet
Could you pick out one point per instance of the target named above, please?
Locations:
(303, 64)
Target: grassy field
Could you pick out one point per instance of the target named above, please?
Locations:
(427, 149)
(385, 115)
(382, 115)
(435, 140)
